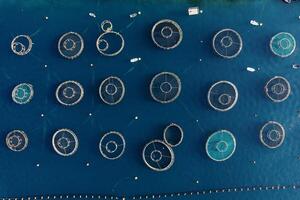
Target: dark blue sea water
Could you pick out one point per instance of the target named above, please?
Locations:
(40, 171)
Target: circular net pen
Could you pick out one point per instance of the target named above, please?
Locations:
(222, 96)
(221, 145)
(166, 34)
(70, 45)
(69, 93)
(278, 89)
(165, 87)
(112, 145)
(109, 43)
(112, 90)
(227, 43)
(173, 135)
(272, 134)
(65, 142)
(21, 45)
(17, 140)
(158, 156)
(22, 93)
(283, 44)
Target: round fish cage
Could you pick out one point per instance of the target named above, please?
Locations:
(173, 135)
(109, 43)
(70, 45)
(112, 145)
(69, 93)
(65, 142)
(227, 43)
(166, 34)
(21, 45)
(283, 44)
(112, 90)
(272, 134)
(221, 145)
(222, 96)
(278, 89)
(165, 87)
(22, 93)
(17, 140)
(158, 156)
